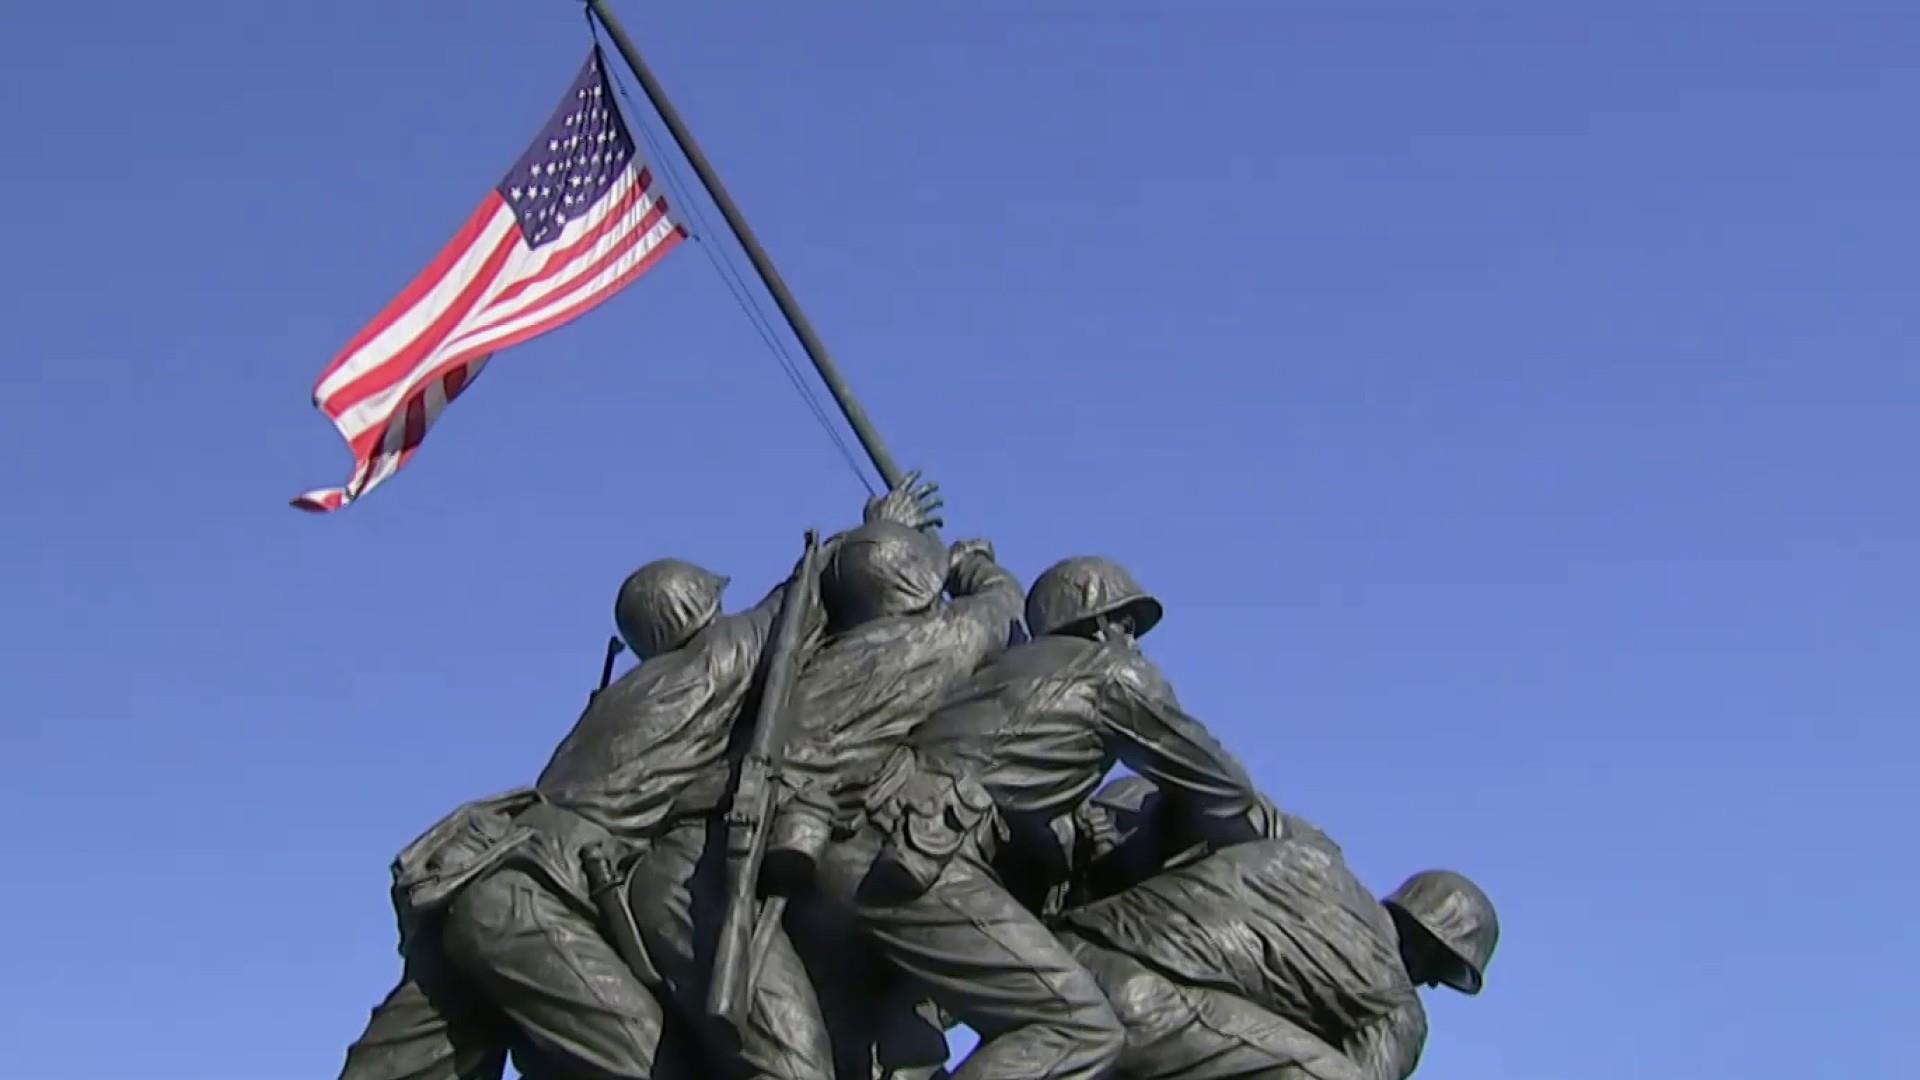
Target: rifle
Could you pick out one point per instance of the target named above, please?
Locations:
(743, 937)
(614, 645)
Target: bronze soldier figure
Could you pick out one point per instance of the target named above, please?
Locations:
(893, 651)
(938, 806)
(499, 887)
(988, 778)
(1266, 959)
(497, 917)
(677, 892)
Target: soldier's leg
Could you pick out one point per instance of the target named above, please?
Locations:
(1181, 1032)
(678, 896)
(995, 967)
(882, 1027)
(545, 965)
(427, 1029)
(677, 1060)
(661, 895)
(787, 1033)
(875, 1029)
(838, 962)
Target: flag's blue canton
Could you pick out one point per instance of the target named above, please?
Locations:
(576, 157)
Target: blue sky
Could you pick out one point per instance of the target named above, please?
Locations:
(1515, 409)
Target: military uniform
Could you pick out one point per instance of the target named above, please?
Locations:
(498, 891)
(988, 778)
(678, 891)
(1265, 959)
(893, 652)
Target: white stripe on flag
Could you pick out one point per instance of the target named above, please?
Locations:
(397, 334)
(608, 275)
(521, 263)
(559, 277)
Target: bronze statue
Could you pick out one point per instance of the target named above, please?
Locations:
(677, 892)
(935, 853)
(511, 908)
(982, 781)
(1266, 958)
(495, 903)
(799, 842)
(894, 651)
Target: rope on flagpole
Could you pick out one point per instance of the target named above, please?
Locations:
(734, 280)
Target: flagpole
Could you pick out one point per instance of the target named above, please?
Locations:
(863, 428)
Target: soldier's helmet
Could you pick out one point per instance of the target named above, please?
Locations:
(664, 603)
(1457, 915)
(882, 568)
(1071, 593)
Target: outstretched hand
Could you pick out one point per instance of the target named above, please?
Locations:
(911, 503)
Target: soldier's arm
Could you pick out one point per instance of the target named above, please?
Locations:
(912, 504)
(1389, 1048)
(755, 625)
(1148, 730)
(749, 630)
(986, 601)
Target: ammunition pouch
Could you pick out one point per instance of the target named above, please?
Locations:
(459, 848)
(928, 820)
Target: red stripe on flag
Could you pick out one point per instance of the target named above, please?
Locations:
(421, 285)
(325, 502)
(580, 280)
(396, 368)
(557, 261)
(416, 421)
(668, 243)
(370, 441)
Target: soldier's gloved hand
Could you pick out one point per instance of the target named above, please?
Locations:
(910, 503)
(965, 551)
(1096, 833)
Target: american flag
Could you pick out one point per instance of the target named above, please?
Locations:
(574, 221)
